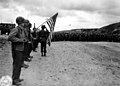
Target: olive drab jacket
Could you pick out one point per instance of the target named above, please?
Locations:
(17, 36)
(43, 35)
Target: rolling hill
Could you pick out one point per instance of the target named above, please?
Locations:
(111, 28)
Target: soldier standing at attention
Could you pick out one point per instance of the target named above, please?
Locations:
(17, 38)
(28, 45)
(35, 41)
(42, 37)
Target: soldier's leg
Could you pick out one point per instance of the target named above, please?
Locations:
(25, 51)
(42, 46)
(27, 55)
(17, 63)
(44, 49)
(34, 45)
(30, 50)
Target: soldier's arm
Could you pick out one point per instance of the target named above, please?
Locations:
(47, 30)
(12, 36)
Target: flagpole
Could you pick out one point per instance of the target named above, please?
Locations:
(45, 21)
(41, 24)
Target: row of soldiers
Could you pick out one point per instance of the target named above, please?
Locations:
(23, 42)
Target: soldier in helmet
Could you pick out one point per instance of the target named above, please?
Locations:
(28, 45)
(18, 39)
(42, 37)
(35, 41)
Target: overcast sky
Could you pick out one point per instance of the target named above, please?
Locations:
(72, 14)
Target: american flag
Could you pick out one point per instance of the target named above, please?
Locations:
(51, 23)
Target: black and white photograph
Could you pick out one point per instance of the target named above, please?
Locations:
(59, 42)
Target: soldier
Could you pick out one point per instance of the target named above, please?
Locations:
(35, 41)
(28, 45)
(42, 37)
(18, 39)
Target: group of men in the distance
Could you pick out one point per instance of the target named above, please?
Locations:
(24, 41)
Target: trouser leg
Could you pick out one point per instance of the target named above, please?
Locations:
(27, 49)
(30, 49)
(35, 45)
(44, 48)
(26, 54)
(17, 63)
(41, 47)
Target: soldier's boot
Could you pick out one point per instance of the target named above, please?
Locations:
(28, 59)
(20, 80)
(25, 65)
(44, 54)
(16, 82)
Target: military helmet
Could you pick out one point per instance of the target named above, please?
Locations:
(30, 25)
(26, 21)
(19, 20)
(43, 26)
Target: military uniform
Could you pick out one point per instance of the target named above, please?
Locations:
(42, 37)
(17, 37)
(28, 44)
(35, 41)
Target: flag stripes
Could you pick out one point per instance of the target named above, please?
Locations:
(51, 24)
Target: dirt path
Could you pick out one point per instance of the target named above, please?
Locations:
(72, 64)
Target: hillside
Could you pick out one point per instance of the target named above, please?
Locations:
(111, 29)
(78, 30)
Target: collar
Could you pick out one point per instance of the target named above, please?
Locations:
(20, 26)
